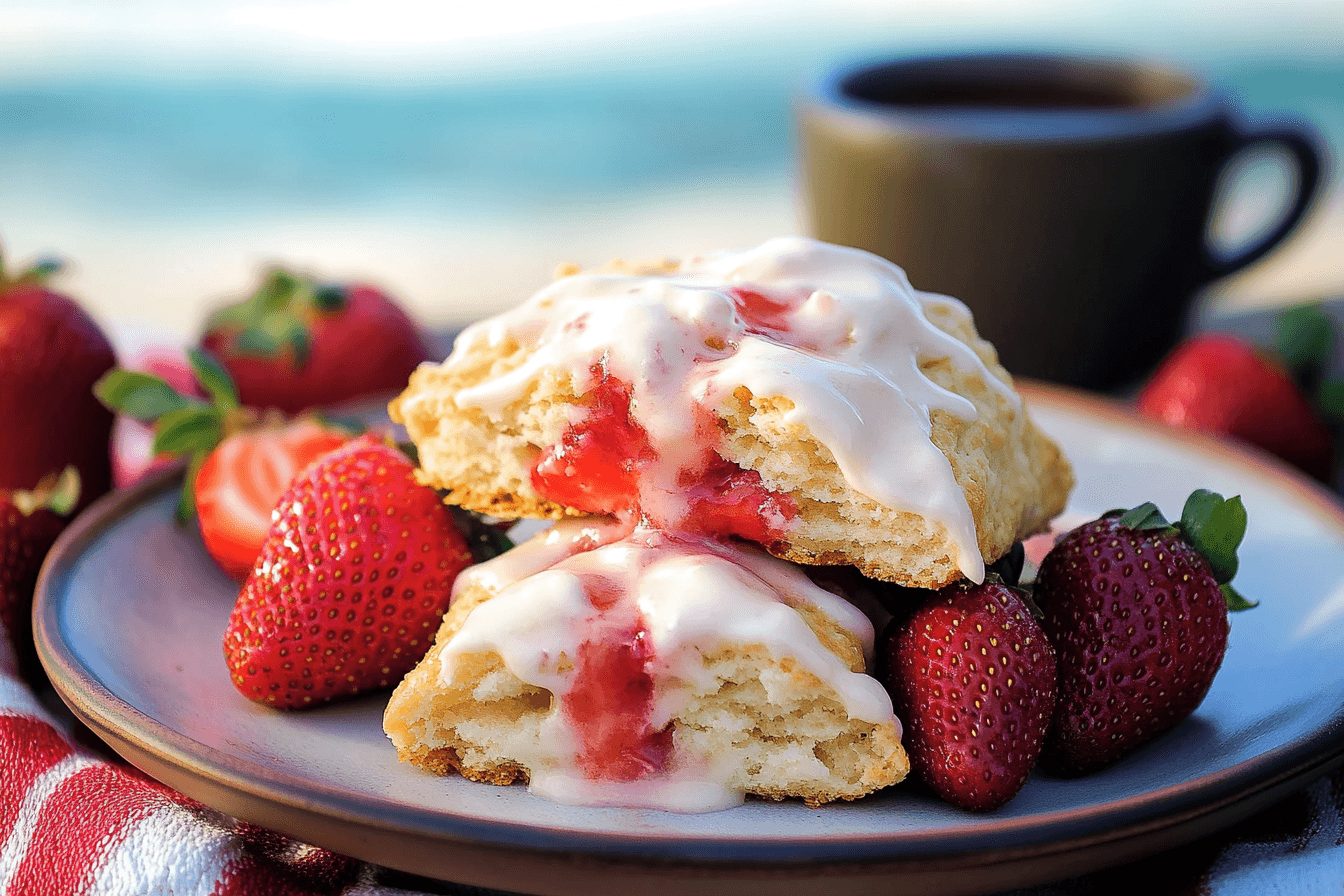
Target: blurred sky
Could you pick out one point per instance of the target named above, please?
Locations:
(409, 39)
(458, 151)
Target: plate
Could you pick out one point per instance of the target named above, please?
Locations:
(130, 612)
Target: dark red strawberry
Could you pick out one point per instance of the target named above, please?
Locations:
(30, 521)
(1222, 385)
(352, 581)
(1137, 611)
(240, 462)
(297, 344)
(51, 353)
(972, 679)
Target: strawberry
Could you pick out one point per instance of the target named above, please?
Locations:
(51, 353)
(347, 594)
(1222, 385)
(296, 344)
(1137, 611)
(132, 441)
(241, 480)
(29, 524)
(972, 677)
(240, 462)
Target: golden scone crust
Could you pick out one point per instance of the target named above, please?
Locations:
(788, 736)
(1014, 478)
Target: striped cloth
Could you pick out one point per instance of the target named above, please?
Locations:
(75, 822)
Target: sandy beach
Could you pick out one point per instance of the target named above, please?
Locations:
(154, 281)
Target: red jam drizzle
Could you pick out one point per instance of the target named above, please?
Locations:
(612, 698)
(762, 314)
(595, 467)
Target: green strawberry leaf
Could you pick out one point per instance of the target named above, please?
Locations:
(1330, 399)
(57, 492)
(65, 493)
(1306, 340)
(43, 269)
(274, 295)
(141, 396)
(214, 379)
(270, 334)
(485, 540)
(1215, 526)
(352, 426)
(330, 299)
(412, 453)
(1145, 517)
(1235, 602)
(195, 429)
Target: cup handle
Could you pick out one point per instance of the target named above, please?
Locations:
(1307, 159)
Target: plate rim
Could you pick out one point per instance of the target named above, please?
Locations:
(1188, 808)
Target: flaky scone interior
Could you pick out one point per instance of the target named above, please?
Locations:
(624, 675)
(867, 423)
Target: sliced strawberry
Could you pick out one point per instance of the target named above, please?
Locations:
(241, 480)
(355, 573)
(240, 462)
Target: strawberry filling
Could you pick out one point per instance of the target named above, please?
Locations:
(763, 315)
(612, 698)
(595, 465)
(598, 466)
(605, 463)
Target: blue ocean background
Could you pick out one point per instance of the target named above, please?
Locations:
(169, 150)
(234, 143)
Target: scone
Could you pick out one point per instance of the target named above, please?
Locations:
(800, 395)
(637, 668)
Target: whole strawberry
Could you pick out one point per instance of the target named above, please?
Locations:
(1221, 385)
(51, 353)
(30, 521)
(972, 678)
(1137, 611)
(347, 594)
(297, 344)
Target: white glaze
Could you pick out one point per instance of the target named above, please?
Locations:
(849, 360)
(693, 596)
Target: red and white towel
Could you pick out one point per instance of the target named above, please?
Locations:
(73, 823)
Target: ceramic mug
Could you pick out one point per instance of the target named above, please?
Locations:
(1065, 199)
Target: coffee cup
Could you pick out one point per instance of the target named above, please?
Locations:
(1065, 199)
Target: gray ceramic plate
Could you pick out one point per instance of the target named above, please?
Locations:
(130, 613)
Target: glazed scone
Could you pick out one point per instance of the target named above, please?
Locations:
(801, 395)
(646, 669)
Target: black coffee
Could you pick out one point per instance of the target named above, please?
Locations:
(1008, 85)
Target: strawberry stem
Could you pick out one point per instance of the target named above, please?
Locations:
(57, 492)
(276, 318)
(39, 272)
(214, 379)
(1212, 525)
